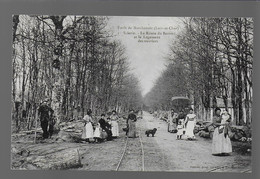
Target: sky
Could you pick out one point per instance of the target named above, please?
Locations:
(147, 60)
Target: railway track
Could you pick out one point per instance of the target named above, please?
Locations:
(130, 148)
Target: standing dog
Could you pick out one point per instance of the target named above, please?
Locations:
(151, 131)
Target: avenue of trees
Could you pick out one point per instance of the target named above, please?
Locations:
(73, 62)
(211, 58)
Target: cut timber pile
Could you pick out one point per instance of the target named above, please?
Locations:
(70, 131)
(240, 132)
(73, 126)
(237, 133)
(204, 129)
(205, 134)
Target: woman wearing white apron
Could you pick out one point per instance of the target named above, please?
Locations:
(114, 123)
(88, 132)
(190, 122)
(221, 144)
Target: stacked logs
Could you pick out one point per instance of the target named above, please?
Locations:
(205, 129)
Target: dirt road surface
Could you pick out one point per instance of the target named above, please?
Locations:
(185, 155)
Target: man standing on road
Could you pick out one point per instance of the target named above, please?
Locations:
(45, 114)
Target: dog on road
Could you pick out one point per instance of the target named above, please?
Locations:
(151, 131)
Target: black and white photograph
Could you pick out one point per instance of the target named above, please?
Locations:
(132, 93)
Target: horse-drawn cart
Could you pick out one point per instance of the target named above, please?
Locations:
(180, 105)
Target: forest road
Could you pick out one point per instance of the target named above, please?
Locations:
(163, 152)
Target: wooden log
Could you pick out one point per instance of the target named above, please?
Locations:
(231, 135)
(210, 128)
(75, 125)
(211, 133)
(238, 136)
(65, 159)
(200, 133)
(64, 136)
(206, 135)
(196, 130)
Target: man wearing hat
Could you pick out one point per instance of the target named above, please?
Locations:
(45, 113)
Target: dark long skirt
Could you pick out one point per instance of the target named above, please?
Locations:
(132, 129)
(44, 125)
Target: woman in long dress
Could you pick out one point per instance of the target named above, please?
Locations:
(190, 122)
(172, 119)
(131, 123)
(88, 132)
(221, 144)
(114, 123)
(105, 128)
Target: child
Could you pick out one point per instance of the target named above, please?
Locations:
(109, 121)
(97, 133)
(180, 129)
(226, 119)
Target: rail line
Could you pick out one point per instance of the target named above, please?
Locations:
(125, 149)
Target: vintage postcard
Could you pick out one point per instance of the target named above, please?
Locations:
(132, 93)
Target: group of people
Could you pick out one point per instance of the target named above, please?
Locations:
(103, 129)
(182, 124)
(107, 128)
(185, 124)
